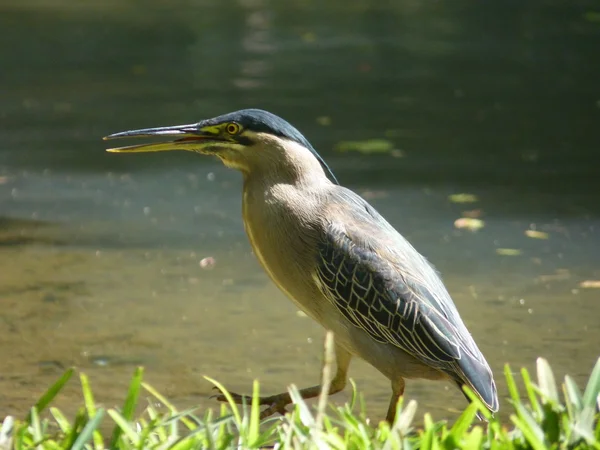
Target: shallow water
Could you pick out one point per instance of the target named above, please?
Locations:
(101, 255)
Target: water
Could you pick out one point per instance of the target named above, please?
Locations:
(101, 254)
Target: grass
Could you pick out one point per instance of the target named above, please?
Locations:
(550, 417)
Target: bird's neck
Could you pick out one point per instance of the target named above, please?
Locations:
(284, 163)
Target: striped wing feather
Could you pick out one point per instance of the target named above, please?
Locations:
(381, 284)
(374, 298)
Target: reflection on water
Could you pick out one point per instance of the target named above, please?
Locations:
(101, 256)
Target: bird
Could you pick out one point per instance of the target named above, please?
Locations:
(339, 261)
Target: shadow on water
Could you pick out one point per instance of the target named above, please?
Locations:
(111, 261)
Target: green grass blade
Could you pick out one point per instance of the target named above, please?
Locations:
(187, 414)
(286, 433)
(193, 441)
(511, 385)
(541, 422)
(234, 409)
(326, 378)
(52, 445)
(427, 437)
(129, 405)
(592, 390)
(133, 394)
(124, 427)
(20, 438)
(334, 441)
(188, 423)
(51, 393)
(481, 408)
(161, 433)
(573, 396)
(144, 430)
(254, 425)
(531, 393)
(529, 427)
(36, 427)
(88, 396)
(88, 431)
(159, 397)
(463, 423)
(546, 381)
(474, 439)
(7, 432)
(404, 420)
(90, 406)
(267, 437)
(353, 394)
(78, 424)
(304, 413)
(62, 422)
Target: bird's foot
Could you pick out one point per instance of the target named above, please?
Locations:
(274, 403)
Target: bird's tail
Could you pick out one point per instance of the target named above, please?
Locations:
(478, 376)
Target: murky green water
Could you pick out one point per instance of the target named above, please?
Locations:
(100, 255)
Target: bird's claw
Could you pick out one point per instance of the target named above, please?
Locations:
(215, 388)
(237, 398)
(272, 406)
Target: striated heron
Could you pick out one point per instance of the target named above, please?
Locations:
(335, 257)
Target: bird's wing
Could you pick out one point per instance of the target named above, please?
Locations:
(381, 284)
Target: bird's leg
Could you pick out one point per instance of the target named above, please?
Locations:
(278, 402)
(397, 392)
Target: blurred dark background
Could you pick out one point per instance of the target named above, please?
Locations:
(100, 253)
(487, 92)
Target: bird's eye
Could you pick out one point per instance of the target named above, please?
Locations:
(233, 128)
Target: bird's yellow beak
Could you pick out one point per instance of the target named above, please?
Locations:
(190, 137)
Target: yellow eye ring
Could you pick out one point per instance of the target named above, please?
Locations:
(233, 128)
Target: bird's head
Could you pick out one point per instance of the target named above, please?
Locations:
(249, 140)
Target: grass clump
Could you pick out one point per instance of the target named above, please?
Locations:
(547, 416)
